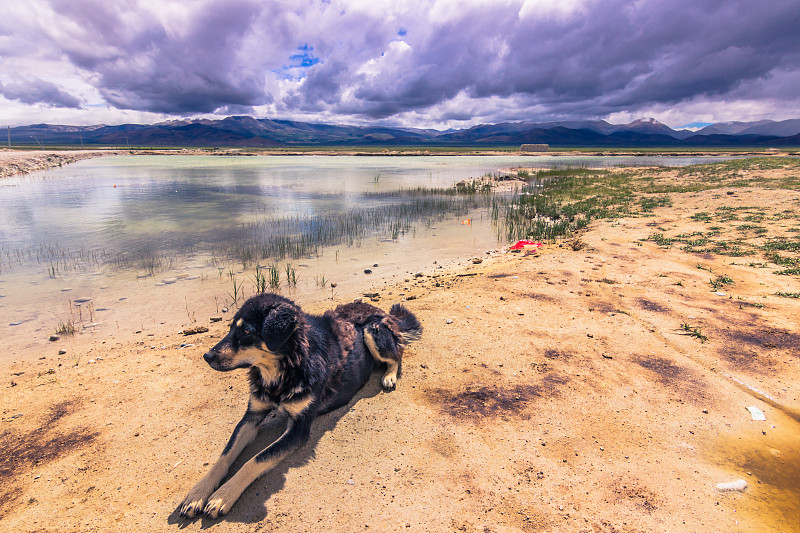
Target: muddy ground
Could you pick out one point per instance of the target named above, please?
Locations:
(600, 385)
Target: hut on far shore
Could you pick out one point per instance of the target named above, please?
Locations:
(534, 147)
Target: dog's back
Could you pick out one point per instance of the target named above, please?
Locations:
(385, 335)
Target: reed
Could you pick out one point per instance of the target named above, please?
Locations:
(260, 280)
(65, 328)
(291, 275)
(236, 288)
(274, 277)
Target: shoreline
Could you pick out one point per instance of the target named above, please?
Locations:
(15, 162)
(558, 391)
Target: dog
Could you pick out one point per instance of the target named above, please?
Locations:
(299, 364)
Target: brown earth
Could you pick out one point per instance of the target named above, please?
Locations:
(570, 390)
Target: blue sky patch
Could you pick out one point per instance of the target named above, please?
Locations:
(295, 69)
(692, 125)
(304, 59)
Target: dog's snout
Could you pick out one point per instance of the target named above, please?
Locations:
(209, 356)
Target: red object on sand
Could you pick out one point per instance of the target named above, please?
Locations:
(521, 244)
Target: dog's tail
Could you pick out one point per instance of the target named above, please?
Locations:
(407, 322)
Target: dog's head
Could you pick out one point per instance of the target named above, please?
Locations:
(262, 333)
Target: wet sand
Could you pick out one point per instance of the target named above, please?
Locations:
(551, 392)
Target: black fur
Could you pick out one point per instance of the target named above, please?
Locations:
(302, 364)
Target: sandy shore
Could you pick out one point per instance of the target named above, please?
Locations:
(601, 385)
(13, 162)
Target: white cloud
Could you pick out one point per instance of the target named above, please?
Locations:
(434, 62)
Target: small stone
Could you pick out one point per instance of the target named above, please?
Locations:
(62, 352)
(82, 300)
(215, 319)
(351, 482)
(54, 338)
(738, 485)
(367, 271)
(448, 321)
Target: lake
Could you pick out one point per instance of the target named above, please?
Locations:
(157, 239)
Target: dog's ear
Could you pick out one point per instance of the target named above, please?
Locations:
(278, 326)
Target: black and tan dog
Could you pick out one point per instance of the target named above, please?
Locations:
(303, 365)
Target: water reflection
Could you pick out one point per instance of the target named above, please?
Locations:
(112, 206)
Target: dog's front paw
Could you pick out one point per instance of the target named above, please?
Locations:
(192, 506)
(194, 503)
(220, 502)
(389, 382)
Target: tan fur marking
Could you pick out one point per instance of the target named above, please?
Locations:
(255, 404)
(373, 348)
(239, 323)
(268, 364)
(295, 407)
(390, 377)
(258, 356)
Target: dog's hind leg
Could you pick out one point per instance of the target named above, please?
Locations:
(384, 347)
(244, 433)
(300, 416)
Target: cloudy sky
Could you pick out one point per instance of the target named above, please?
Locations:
(436, 63)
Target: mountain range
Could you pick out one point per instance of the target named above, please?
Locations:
(245, 131)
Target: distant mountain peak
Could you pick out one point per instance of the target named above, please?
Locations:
(646, 120)
(243, 130)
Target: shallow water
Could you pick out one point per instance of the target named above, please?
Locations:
(113, 229)
(174, 202)
(766, 456)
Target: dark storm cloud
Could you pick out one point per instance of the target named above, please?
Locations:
(141, 64)
(606, 57)
(39, 92)
(382, 59)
